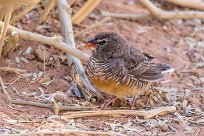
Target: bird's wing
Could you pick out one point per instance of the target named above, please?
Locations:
(140, 66)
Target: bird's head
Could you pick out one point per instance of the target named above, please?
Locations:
(108, 43)
(100, 39)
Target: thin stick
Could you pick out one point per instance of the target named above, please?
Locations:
(126, 15)
(92, 26)
(181, 14)
(4, 89)
(18, 2)
(150, 6)
(195, 4)
(67, 32)
(66, 132)
(50, 5)
(13, 70)
(22, 13)
(2, 11)
(30, 103)
(8, 46)
(145, 114)
(50, 106)
(54, 41)
(11, 44)
(44, 66)
(71, 2)
(5, 26)
(156, 12)
(89, 6)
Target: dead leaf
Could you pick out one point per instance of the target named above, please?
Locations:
(44, 80)
(28, 75)
(34, 76)
(200, 121)
(24, 60)
(28, 50)
(40, 74)
(199, 64)
(188, 129)
(48, 82)
(17, 60)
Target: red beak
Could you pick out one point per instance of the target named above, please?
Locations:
(90, 45)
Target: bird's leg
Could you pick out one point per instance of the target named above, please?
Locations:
(133, 103)
(108, 102)
(150, 99)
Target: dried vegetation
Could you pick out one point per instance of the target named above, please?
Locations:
(38, 86)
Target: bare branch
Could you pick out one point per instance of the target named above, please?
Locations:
(50, 106)
(67, 132)
(5, 26)
(8, 98)
(11, 44)
(150, 6)
(50, 5)
(24, 12)
(92, 26)
(126, 15)
(67, 32)
(145, 114)
(170, 14)
(2, 11)
(84, 11)
(54, 41)
(71, 2)
(195, 4)
(10, 5)
(13, 70)
(17, 2)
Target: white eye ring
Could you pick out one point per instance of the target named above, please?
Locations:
(102, 41)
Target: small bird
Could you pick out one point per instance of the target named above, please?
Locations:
(119, 69)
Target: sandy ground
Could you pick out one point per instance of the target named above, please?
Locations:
(176, 42)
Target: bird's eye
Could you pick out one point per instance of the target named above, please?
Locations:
(102, 42)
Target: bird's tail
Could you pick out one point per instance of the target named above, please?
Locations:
(165, 68)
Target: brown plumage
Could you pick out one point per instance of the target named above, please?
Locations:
(119, 69)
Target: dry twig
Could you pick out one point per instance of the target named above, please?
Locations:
(126, 15)
(13, 70)
(84, 11)
(24, 12)
(11, 44)
(145, 114)
(54, 41)
(66, 132)
(71, 2)
(92, 26)
(4, 89)
(51, 106)
(5, 26)
(67, 32)
(195, 4)
(10, 5)
(38, 104)
(50, 5)
(156, 12)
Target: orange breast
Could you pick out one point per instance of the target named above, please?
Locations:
(110, 87)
